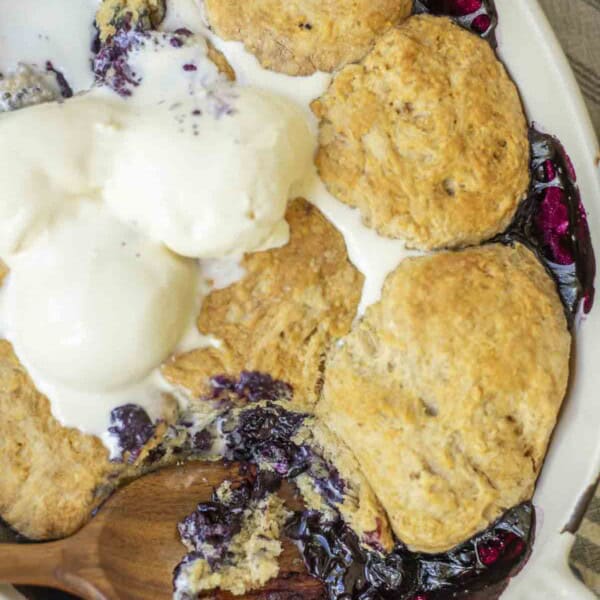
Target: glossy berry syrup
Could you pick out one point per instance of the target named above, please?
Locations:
(552, 222)
(262, 435)
(479, 568)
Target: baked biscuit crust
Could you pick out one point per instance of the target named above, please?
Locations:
(281, 317)
(427, 137)
(50, 475)
(449, 389)
(299, 37)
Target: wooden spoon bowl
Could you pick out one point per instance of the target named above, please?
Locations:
(129, 549)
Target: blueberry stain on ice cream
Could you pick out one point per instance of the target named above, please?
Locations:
(111, 63)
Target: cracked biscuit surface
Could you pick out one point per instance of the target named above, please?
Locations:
(282, 316)
(449, 388)
(427, 137)
(299, 37)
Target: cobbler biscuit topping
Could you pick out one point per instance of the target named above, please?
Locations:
(178, 283)
(411, 138)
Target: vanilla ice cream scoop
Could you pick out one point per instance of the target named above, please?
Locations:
(94, 305)
(211, 174)
(46, 165)
(107, 199)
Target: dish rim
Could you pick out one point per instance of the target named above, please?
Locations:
(547, 575)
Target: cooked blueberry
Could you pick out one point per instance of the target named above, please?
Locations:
(63, 84)
(202, 441)
(156, 454)
(333, 554)
(267, 424)
(553, 223)
(252, 386)
(132, 427)
(208, 531)
(211, 524)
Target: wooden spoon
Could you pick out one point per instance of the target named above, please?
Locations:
(129, 549)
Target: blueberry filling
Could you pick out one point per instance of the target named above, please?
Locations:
(552, 222)
(132, 428)
(478, 16)
(251, 386)
(333, 553)
(207, 532)
(263, 437)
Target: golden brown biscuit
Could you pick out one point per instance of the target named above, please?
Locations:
(427, 137)
(220, 61)
(50, 474)
(299, 37)
(281, 317)
(449, 389)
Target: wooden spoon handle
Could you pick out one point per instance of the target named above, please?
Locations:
(56, 565)
(32, 564)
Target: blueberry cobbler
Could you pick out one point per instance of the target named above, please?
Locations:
(319, 241)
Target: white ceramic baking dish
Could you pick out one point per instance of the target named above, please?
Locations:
(552, 98)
